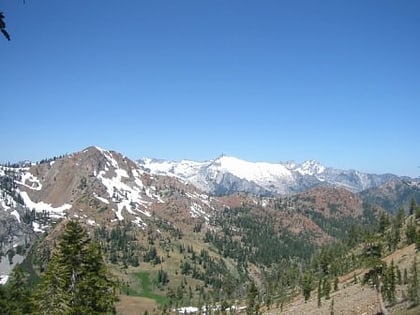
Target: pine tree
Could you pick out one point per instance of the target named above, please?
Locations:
(413, 206)
(18, 293)
(51, 297)
(326, 288)
(76, 281)
(4, 301)
(252, 303)
(307, 285)
(389, 283)
(413, 285)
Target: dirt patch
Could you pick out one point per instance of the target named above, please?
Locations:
(134, 305)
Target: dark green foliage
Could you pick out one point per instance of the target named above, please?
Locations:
(252, 301)
(372, 260)
(4, 301)
(413, 207)
(411, 231)
(307, 285)
(414, 284)
(162, 277)
(119, 244)
(18, 292)
(76, 281)
(326, 288)
(246, 238)
(389, 283)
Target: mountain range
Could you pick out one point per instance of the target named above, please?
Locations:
(171, 216)
(226, 175)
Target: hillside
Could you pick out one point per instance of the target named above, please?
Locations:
(169, 243)
(393, 194)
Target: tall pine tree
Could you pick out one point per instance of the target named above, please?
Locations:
(76, 281)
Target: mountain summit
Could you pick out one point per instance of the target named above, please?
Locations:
(227, 174)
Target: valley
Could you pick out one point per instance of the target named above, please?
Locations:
(194, 236)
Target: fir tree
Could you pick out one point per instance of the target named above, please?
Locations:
(307, 285)
(253, 304)
(389, 283)
(51, 296)
(76, 281)
(413, 206)
(4, 301)
(413, 285)
(18, 293)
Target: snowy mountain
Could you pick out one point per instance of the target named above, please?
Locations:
(98, 188)
(227, 174)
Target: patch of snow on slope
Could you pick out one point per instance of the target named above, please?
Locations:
(182, 170)
(258, 171)
(41, 206)
(34, 182)
(101, 199)
(37, 227)
(139, 222)
(91, 222)
(197, 211)
(6, 201)
(3, 279)
(310, 168)
(187, 310)
(108, 156)
(125, 196)
(137, 178)
(201, 197)
(16, 214)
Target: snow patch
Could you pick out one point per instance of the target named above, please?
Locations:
(101, 199)
(187, 310)
(91, 222)
(37, 227)
(41, 206)
(139, 222)
(16, 214)
(34, 182)
(197, 211)
(3, 279)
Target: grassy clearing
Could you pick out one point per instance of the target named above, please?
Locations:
(141, 285)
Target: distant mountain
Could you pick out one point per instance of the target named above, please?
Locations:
(226, 175)
(393, 194)
(158, 218)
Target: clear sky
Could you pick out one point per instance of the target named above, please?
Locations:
(335, 81)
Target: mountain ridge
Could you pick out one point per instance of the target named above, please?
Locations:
(227, 174)
(153, 223)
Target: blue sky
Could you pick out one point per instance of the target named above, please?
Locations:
(335, 81)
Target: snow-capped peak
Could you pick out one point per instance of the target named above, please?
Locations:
(227, 174)
(251, 171)
(310, 167)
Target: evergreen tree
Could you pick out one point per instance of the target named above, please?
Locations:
(411, 232)
(326, 288)
(51, 296)
(307, 285)
(97, 284)
(77, 281)
(319, 295)
(389, 283)
(18, 293)
(4, 301)
(252, 302)
(413, 285)
(413, 206)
